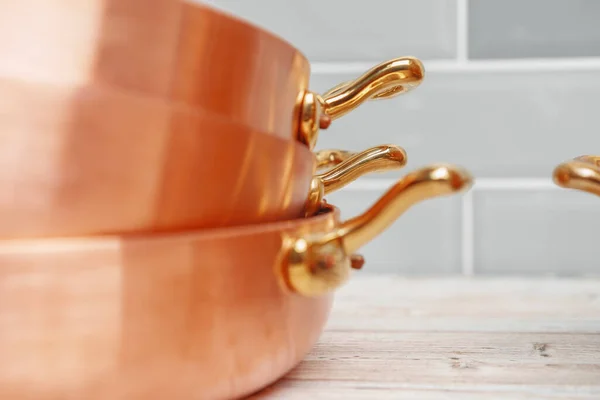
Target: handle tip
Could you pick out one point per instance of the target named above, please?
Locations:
(396, 154)
(562, 175)
(583, 173)
(457, 178)
(416, 68)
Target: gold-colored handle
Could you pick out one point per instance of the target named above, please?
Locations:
(331, 157)
(595, 160)
(385, 80)
(375, 159)
(317, 264)
(581, 173)
(314, 200)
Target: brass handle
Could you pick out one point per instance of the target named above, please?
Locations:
(317, 264)
(385, 80)
(581, 173)
(331, 157)
(595, 160)
(375, 159)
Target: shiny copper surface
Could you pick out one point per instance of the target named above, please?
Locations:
(92, 160)
(177, 50)
(197, 315)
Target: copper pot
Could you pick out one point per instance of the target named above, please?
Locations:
(212, 314)
(184, 53)
(581, 173)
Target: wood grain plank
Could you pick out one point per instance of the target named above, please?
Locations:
(343, 390)
(455, 357)
(392, 303)
(393, 337)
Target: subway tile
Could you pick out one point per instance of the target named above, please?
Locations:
(536, 232)
(341, 30)
(425, 240)
(497, 124)
(534, 28)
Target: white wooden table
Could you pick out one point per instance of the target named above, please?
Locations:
(455, 338)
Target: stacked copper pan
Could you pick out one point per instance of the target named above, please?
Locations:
(164, 232)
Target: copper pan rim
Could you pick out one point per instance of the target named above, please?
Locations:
(328, 211)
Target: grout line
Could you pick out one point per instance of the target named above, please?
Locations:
(500, 65)
(467, 234)
(480, 184)
(462, 31)
(514, 184)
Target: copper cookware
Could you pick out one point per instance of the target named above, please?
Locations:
(186, 53)
(91, 160)
(177, 50)
(581, 173)
(208, 314)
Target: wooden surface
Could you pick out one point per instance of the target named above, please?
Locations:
(454, 338)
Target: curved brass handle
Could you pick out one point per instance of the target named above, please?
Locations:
(317, 264)
(375, 159)
(331, 157)
(385, 80)
(581, 173)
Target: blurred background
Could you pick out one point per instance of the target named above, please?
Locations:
(512, 89)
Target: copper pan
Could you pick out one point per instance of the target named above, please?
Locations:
(581, 173)
(185, 53)
(169, 49)
(88, 160)
(206, 315)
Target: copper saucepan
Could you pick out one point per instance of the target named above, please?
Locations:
(184, 53)
(88, 160)
(209, 314)
(581, 173)
(91, 160)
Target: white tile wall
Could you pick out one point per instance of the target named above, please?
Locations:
(549, 231)
(512, 89)
(342, 30)
(534, 28)
(497, 124)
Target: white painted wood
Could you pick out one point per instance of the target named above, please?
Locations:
(456, 338)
